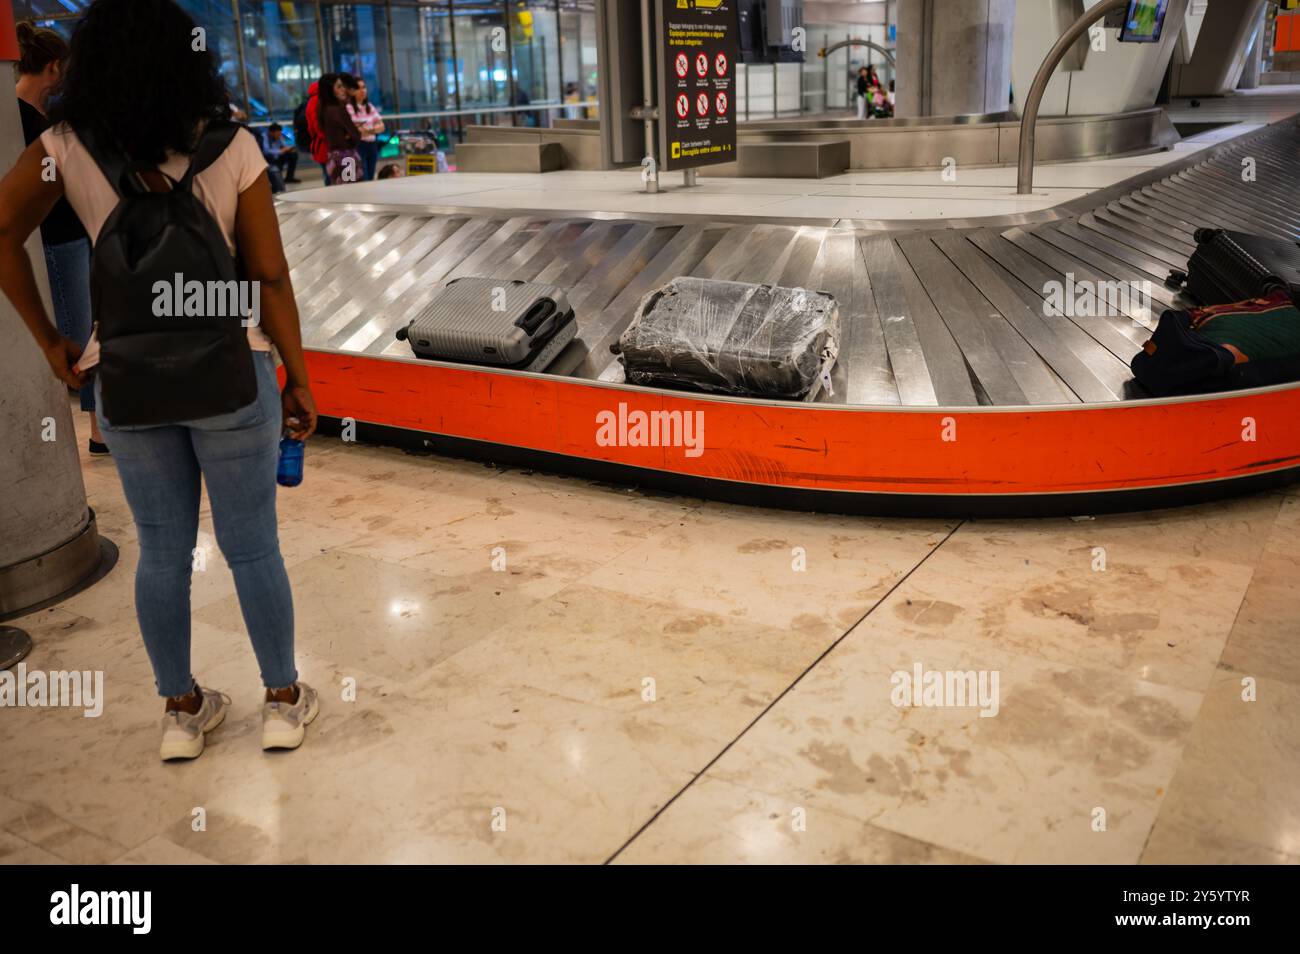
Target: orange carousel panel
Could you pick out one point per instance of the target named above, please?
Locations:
(815, 447)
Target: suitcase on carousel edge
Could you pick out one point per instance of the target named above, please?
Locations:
(1236, 266)
(495, 322)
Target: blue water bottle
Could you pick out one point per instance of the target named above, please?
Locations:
(289, 472)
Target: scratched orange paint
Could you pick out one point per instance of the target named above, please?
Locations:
(809, 446)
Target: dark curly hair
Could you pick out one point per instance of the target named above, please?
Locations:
(134, 75)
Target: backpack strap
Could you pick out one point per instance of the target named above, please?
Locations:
(217, 135)
(108, 156)
(114, 164)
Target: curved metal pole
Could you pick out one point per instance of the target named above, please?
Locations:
(827, 51)
(1029, 116)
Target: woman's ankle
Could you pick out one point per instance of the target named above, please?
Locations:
(189, 703)
(288, 694)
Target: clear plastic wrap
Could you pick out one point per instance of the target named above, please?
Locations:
(733, 338)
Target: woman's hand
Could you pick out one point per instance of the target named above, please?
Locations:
(299, 412)
(62, 354)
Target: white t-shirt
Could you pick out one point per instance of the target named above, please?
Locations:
(217, 187)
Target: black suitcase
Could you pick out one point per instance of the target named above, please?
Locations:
(498, 322)
(1236, 266)
(733, 338)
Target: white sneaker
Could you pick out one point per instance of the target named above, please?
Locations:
(284, 726)
(183, 734)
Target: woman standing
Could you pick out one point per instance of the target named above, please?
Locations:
(67, 248)
(863, 92)
(134, 81)
(343, 163)
(368, 121)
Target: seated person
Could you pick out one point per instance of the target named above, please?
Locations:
(281, 158)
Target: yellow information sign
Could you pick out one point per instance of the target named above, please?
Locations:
(421, 165)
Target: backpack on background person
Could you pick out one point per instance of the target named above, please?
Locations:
(301, 131)
(175, 366)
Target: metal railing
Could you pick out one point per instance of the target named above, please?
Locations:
(1029, 116)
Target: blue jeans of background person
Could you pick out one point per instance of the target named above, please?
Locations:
(68, 265)
(277, 180)
(236, 456)
(369, 159)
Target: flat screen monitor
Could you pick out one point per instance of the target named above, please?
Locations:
(1145, 21)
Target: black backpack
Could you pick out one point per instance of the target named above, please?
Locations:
(301, 131)
(170, 367)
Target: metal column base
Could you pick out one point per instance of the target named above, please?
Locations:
(56, 574)
(14, 646)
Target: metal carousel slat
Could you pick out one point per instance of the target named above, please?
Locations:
(907, 358)
(977, 335)
(1017, 269)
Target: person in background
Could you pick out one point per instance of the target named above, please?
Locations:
(304, 125)
(863, 94)
(367, 119)
(133, 75)
(391, 171)
(339, 133)
(67, 247)
(572, 99)
(281, 158)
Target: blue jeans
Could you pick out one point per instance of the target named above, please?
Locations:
(236, 455)
(369, 159)
(68, 265)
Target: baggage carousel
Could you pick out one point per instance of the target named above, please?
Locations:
(965, 385)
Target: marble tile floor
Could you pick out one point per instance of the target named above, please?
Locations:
(650, 679)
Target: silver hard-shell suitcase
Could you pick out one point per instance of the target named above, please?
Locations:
(498, 322)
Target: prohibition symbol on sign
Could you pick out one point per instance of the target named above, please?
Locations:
(683, 106)
(682, 64)
(722, 104)
(702, 104)
(702, 65)
(720, 64)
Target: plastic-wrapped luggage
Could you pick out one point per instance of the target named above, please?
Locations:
(733, 338)
(1235, 266)
(493, 321)
(1247, 344)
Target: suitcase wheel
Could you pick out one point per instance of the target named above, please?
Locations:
(1176, 280)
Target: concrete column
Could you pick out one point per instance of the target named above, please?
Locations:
(954, 56)
(48, 541)
(1219, 58)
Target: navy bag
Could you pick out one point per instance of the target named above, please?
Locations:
(1177, 360)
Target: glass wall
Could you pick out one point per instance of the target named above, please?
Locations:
(217, 19)
(281, 55)
(448, 63)
(425, 80)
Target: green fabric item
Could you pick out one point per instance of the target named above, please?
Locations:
(1259, 329)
